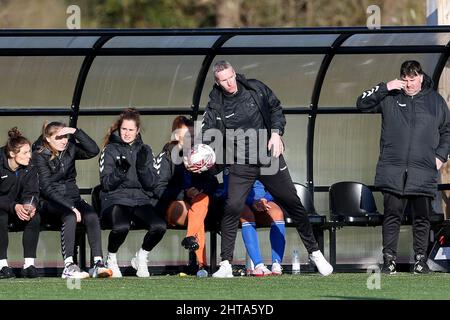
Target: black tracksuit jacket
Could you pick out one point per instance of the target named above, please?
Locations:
(16, 186)
(57, 176)
(415, 131)
(267, 102)
(133, 188)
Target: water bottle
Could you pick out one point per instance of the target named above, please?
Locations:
(296, 262)
(202, 273)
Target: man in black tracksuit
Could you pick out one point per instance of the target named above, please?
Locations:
(244, 106)
(415, 141)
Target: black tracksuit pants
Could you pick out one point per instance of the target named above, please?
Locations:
(394, 208)
(52, 210)
(119, 217)
(280, 186)
(30, 235)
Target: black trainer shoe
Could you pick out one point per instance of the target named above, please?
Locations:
(389, 265)
(30, 272)
(6, 273)
(421, 264)
(190, 243)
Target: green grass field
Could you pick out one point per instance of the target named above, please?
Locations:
(287, 287)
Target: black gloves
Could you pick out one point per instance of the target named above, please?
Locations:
(122, 164)
(142, 157)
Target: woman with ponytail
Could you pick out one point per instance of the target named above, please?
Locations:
(185, 196)
(19, 192)
(54, 156)
(128, 179)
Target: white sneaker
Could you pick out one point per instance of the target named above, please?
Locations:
(114, 267)
(261, 271)
(140, 265)
(72, 271)
(225, 270)
(277, 269)
(321, 263)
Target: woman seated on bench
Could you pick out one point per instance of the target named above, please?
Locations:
(54, 156)
(19, 191)
(128, 178)
(185, 195)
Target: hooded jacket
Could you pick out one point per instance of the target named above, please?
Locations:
(133, 188)
(268, 104)
(57, 176)
(16, 186)
(415, 131)
(174, 178)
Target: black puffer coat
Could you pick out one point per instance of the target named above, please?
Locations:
(57, 176)
(415, 131)
(133, 188)
(171, 185)
(16, 186)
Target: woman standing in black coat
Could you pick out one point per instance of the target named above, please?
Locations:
(55, 157)
(128, 178)
(19, 192)
(414, 143)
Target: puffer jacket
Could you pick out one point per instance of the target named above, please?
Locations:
(174, 179)
(415, 131)
(133, 188)
(16, 186)
(57, 176)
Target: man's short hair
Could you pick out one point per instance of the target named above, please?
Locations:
(410, 68)
(220, 66)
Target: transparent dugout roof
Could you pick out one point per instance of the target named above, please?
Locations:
(141, 81)
(161, 42)
(398, 39)
(38, 82)
(168, 79)
(165, 72)
(47, 42)
(307, 40)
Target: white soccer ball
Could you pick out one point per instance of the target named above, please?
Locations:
(202, 157)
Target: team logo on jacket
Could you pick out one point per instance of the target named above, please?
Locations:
(402, 105)
(157, 162)
(368, 93)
